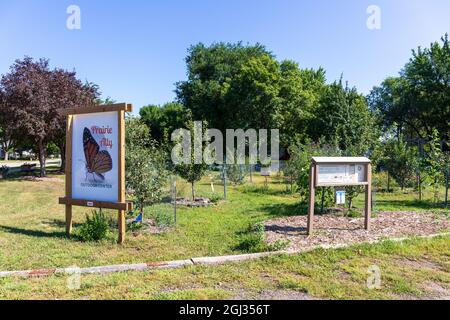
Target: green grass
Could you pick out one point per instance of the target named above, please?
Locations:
(332, 274)
(32, 236)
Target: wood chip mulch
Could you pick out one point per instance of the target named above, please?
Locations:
(339, 230)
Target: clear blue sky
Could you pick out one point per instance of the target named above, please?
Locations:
(134, 50)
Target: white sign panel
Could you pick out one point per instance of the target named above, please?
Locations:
(340, 197)
(340, 174)
(95, 149)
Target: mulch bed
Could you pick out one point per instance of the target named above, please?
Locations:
(338, 230)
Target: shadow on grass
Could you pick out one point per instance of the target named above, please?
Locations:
(33, 233)
(283, 209)
(408, 204)
(263, 190)
(59, 223)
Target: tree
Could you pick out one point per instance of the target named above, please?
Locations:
(418, 99)
(343, 116)
(401, 162)
(7, 133)
(226, 82)
(145, 168)
(67, 92)
(192, 172)
(163, 120)
(300, 91)
(34, 94)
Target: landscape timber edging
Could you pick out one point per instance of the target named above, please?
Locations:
(190, 262)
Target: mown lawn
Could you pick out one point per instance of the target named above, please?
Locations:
(414, 269)
(32, 236)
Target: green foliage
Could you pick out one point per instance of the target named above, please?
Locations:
(435, 164)
(401, 162)
(95, 228)
(212, 90)
(162, 215)
(236, 173)
(298, 166)
(215, 197)
(417, 101)
(343, 117)
(254, 241)
(192, 172)
(145, 172)
(163, 120)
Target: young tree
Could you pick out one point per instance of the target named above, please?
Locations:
(192, 172)
(401, 162)
(145, 168)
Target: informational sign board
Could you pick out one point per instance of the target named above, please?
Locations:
(95, 160)
(340, 174)
(335, 172)
(95, 155)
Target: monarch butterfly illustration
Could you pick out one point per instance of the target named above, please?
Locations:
(97, 162)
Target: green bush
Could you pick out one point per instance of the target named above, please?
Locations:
(254, 240)
(162, 214)
(215, 197)
(95, 228)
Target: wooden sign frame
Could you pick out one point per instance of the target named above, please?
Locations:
(313, 178)
(121, 205)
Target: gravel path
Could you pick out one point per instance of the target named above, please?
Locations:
(336, 230)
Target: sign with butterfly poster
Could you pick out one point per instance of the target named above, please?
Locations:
(95, 160)
(95, 155)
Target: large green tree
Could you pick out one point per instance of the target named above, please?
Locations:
(418, 100)
(163, 120)
(228, 83)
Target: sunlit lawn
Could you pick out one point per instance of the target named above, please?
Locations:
(32, 236)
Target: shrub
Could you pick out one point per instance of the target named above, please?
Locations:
(254, 241)
(215, 197)
(162, 215)
(95, 228)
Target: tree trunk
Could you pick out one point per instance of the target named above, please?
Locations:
(41, 158)
(193, 191)
(420, 188)
(6, 155)
(388, 182)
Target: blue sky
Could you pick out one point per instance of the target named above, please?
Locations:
(134, 50)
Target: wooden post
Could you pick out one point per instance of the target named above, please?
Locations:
(312, 193)
(368, 204)
(68, 169)
(121, 167)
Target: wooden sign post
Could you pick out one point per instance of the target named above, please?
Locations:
(95, 161)
(336, 172)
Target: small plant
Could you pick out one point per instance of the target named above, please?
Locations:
(215, 197)
(95, 228)
(162, 215)
(278, 245)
